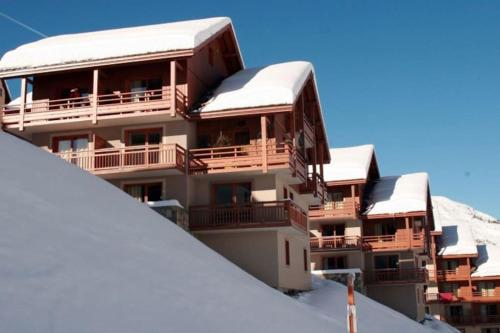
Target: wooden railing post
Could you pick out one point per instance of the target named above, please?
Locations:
(22, 104)
(173, 88)
(263, 131)
(95, 91)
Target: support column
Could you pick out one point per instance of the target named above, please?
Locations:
(22, 104)
(263, 131)
(95, 91)
(321, 160)
(294, 142)
(173, 88)
(407, 225)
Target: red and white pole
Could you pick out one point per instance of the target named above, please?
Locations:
(351, 305)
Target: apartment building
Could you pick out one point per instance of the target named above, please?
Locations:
(464, 286)
(169, 114)
(377, 225)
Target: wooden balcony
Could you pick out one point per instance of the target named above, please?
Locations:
(267, 214)
(127, 159)
(484, 296)
(464, 320)
(247, 158)
(486, 319)
(314, 185)
(108, 106)
(403, 240)
(461, 273)
(335, 243)
(395, 275)
(348, 208)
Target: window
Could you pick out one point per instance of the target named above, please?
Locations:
(387, 228)
(65, 144)
(305, 260)
(285, 193)
(336, 262)
(291, 195)
(450, 265)
(486, 288)
(138, 88)
(287, 253)
(145, 192)
(232, 194)
(450, 288)
(387, 262)
(333, 230)
(141, 137)
(203, 141)
(488, 310)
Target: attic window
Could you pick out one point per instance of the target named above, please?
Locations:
(211, 56)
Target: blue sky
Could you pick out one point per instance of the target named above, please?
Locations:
(419, 79)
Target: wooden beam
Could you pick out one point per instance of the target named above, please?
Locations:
(22, 104)
(407, 226)
(173, 88)
(95, 91)
(263, 131)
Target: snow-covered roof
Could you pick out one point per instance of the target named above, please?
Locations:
(488, 261)
(329, 299)
(86, 257)
(399, 194)
(457, 237)
(350, 163)
(99, 45)
(277, 84)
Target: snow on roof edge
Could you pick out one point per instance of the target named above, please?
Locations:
(217, 25)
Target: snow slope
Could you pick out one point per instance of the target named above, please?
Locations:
(79, 255)
(483, 229)
(329, 298)
(105, 44)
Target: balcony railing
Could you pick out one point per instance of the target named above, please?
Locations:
(253, 215)
(132, 158)
(116, 105)
(401, 240)
(335, 209)
(314, 185)
(461, 273)
(396, 275)
(327, 243)
(246, 158)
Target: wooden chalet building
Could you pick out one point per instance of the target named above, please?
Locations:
(378, 225)
(169, 114)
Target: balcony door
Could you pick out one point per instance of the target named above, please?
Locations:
(143, 90)
(455, 313)
(140, 138)
(387, 262)
(232, 201)
(385, 229)
(73, 149)
(145, 192)
(489, 312)
(335, 262)
(486, 288)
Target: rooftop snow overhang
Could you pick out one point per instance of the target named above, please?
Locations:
(351, 165)
(116, 46)
(262, 90)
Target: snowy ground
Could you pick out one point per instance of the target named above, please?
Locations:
(329, 298)
(79, 255)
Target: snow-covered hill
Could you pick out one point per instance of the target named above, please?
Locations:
(79, 255)
(483, 229)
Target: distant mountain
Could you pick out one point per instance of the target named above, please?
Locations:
(485, 230)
